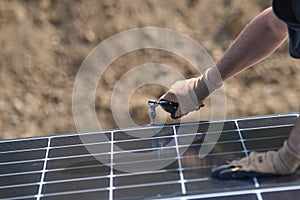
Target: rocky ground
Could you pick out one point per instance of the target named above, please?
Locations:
(44, 42)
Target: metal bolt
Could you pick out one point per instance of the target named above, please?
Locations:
(152, 105)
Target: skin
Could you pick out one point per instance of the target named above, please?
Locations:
(268, 32)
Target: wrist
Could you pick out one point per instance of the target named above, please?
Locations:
(206, 84)
(213, 78)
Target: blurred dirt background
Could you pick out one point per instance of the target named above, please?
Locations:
(44, 42)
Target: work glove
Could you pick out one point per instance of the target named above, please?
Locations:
(189, 94)
(270, 163)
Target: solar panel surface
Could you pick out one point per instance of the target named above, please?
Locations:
(62, 167)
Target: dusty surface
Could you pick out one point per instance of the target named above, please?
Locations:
(43, 44)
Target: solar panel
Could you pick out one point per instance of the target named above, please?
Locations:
(62, 167)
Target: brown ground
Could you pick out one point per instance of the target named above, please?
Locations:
(43, 43)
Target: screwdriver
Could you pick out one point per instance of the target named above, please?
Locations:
(168, 106)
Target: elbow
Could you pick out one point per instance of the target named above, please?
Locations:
(277, 26)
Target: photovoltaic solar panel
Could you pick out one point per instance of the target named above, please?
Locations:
(86, 166)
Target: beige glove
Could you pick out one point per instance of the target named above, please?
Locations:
(190, 93)
(281, 162)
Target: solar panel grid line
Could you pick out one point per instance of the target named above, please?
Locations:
(76, 179)
(20, 173)
(111, 174)
(62, 169)
(182, 181)
(18, 185)
(257, 185)
(259, 196)
(78, 156)
(139, 173)
(21, 162)
(198, 179)
(246, 154)
(39, 194)
(23, 150)
(267, 127)
(79, 145)
(241, 138)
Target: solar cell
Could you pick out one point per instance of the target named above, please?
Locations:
(82, 166)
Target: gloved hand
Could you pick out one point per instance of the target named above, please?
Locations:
(190, 93)
(270, 163)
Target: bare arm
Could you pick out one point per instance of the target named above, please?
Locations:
(259, 39)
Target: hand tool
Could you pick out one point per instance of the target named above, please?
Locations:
(168, 106)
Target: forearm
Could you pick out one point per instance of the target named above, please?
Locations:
(258, 40)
